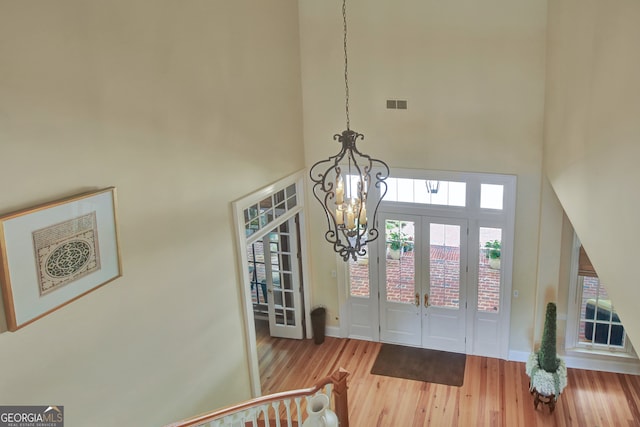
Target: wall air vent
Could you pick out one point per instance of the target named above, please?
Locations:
(397, 104)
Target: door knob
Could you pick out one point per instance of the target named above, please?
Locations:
(426, 300)
(417, 300)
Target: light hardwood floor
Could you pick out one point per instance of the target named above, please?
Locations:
(495, 392)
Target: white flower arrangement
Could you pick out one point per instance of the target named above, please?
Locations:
(546, 383)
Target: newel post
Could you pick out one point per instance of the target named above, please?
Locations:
(339, 379)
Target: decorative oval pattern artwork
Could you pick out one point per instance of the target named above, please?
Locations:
(68, 259)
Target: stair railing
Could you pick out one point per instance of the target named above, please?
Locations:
(278, 409)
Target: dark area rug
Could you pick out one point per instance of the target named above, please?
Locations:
(420, 364)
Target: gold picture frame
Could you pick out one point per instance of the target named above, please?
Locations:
(53, 254)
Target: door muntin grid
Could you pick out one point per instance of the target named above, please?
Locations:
(281, 272)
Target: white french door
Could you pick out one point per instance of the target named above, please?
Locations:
(400, 280)
(423, 287)
(283, 282)
(275, 280)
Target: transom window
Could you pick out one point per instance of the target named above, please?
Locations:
(445, 193)
(432, 192)
(491, 196)
(262, 214)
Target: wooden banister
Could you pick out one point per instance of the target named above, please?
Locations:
(338, 380)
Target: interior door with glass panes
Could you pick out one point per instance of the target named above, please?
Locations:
(283, 281)
(423, 291)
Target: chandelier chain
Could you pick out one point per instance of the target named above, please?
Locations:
(346, 74)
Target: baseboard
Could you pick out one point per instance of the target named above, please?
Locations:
(518, 356)
(620, 365)
(592, 362)
(332, 331)
(361, 338)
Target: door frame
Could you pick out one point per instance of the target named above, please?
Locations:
(242, 243)
(418, 336)
(476, 216)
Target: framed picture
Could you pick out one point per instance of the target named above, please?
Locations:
(55, 253)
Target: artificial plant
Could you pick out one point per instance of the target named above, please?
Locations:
(548, 372)
(547, 356)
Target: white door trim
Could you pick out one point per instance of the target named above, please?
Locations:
(476, 216)
(243, 241)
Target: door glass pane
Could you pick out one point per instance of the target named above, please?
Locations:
(257, 277)
(489, 272)
(359, 276)
(444, 266)
(401, 273)
(291, 318)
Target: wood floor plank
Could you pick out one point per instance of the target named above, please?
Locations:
(495, 392)
(631, 391)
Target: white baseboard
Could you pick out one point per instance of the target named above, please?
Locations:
(332, 331)
(620, 365)
(592, 362)
(518, 356)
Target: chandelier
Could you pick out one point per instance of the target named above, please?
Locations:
(342, 184)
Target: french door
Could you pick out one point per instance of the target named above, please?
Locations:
(423, 289)
(275, 280)
(285, 312)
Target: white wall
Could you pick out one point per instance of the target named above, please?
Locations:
(592, 136)
(473, 75)
(184, 107)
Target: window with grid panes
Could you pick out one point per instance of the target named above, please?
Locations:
(597, 326)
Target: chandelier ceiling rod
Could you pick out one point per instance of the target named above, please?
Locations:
(346, 62)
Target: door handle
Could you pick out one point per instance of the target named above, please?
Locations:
(426, 300)
(417, 300)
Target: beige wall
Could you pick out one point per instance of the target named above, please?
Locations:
(168, 101)
(473, 75)
(592, 136)
(184, 107)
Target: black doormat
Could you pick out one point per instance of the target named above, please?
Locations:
(420, 364)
